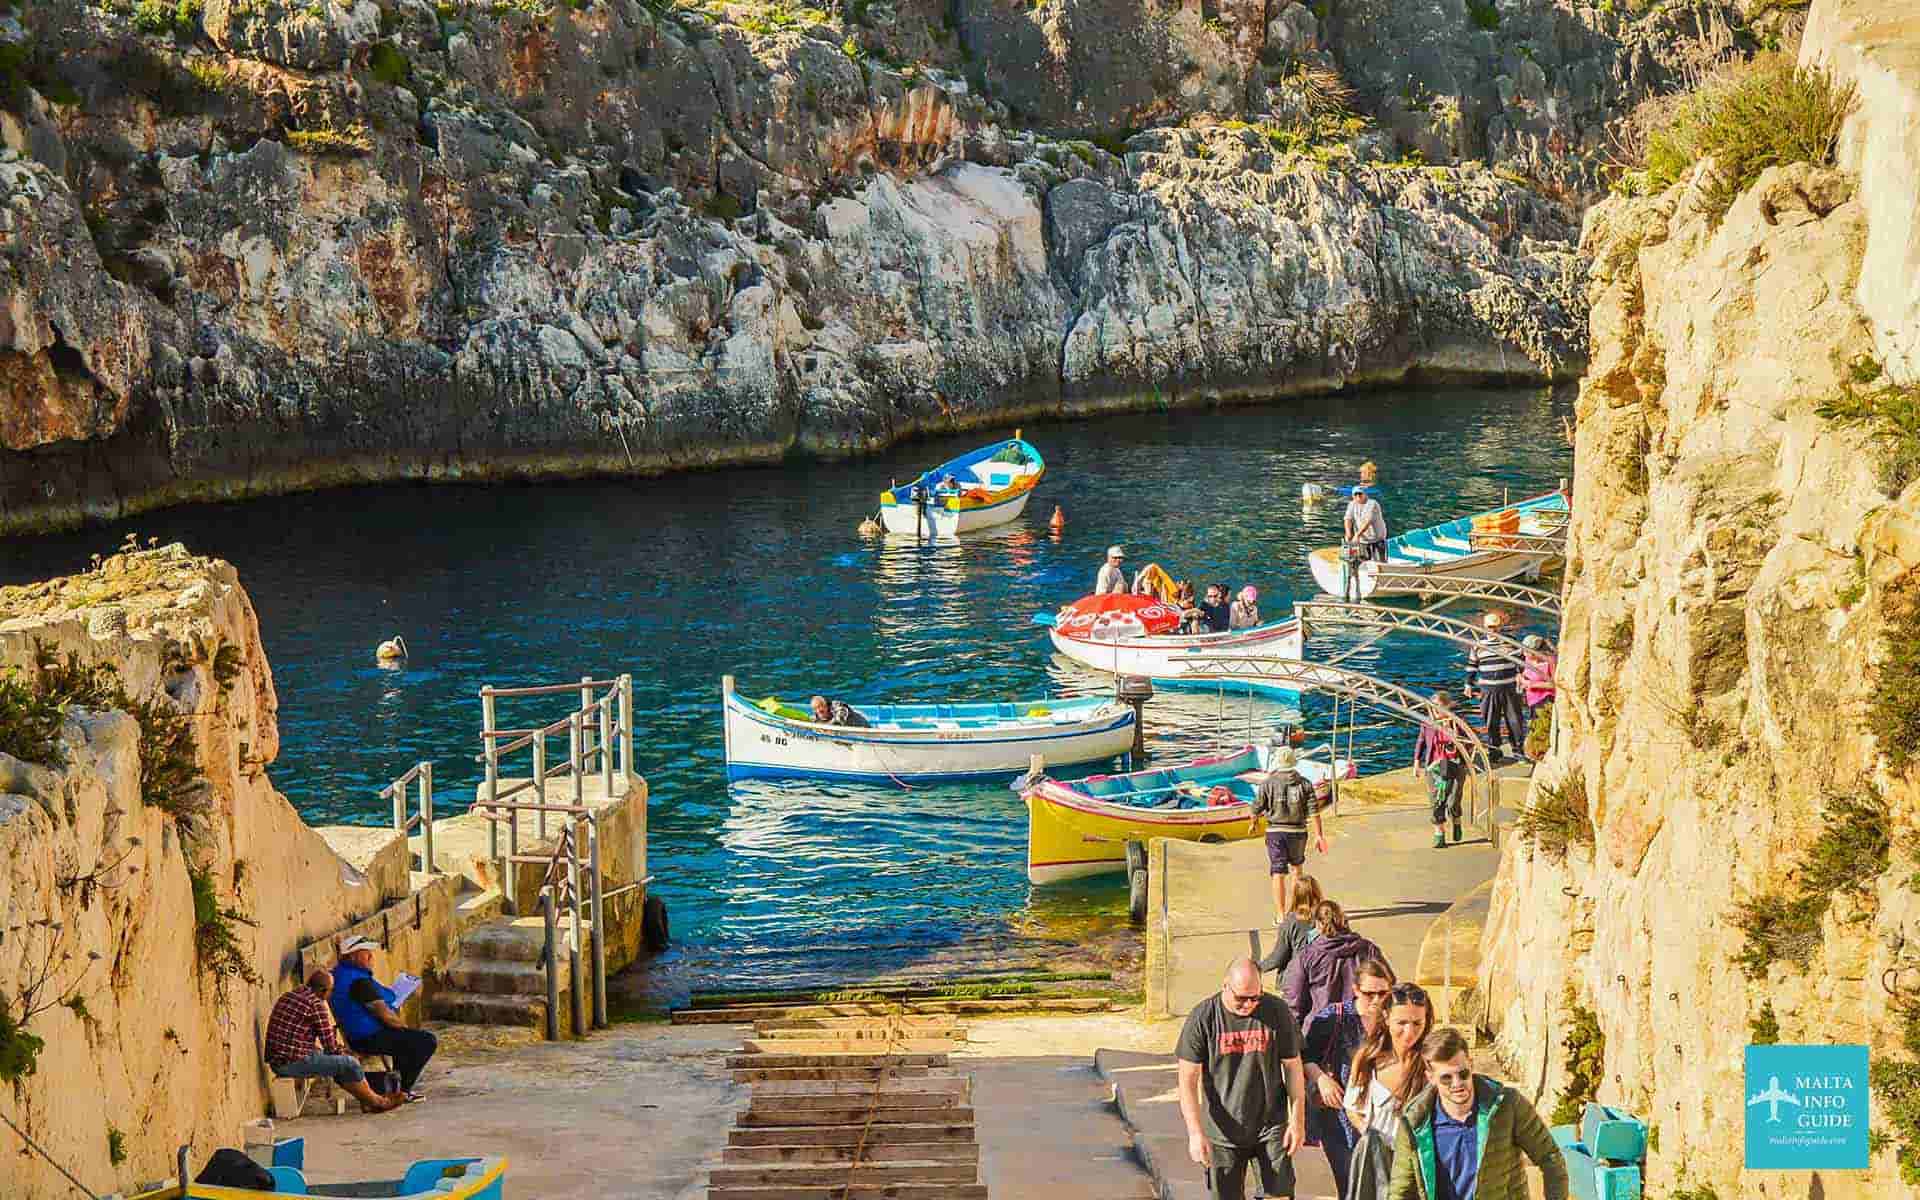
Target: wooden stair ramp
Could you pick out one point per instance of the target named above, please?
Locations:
(851, 1108)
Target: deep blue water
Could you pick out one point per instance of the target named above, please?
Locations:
(759, 573)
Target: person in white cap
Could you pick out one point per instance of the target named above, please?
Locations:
(1493, 669)
(1113, 574)
(1366, 523)
(1287, 800)
(369, 1015)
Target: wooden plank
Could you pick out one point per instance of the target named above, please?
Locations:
(848, 1135)
(868, 1075)
(922, 1083)
(885, 1100)
(766, 1060)
(829, 1174)
(857, 1029)
(855, 1115)
(845, 1045)
(892, 1191)
(871, 1152)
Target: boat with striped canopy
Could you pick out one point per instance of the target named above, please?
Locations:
(1081, 827)
(920, 743)
(985, 487)
(1124, 634)
(1448, 550)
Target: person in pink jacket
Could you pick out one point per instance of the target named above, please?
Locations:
(1536, 674)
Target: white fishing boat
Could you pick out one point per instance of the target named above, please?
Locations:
(920, 743)
(1448, 550)
(1136, 635)
(986, 487)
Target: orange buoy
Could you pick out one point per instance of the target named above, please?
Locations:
(1058, 520)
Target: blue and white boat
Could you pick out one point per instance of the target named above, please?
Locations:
(920, 743)
(1447, 550)
(986, 487)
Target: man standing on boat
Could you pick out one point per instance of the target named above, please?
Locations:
(1496, 672)
(1366, 523)
(1242, 1086)
(1113, 576)
(1287, 799)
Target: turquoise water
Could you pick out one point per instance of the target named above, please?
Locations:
(759, 573)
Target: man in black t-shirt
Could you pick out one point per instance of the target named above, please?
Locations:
(1242, 1087)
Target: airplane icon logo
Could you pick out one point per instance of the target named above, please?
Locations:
(1773, 1098)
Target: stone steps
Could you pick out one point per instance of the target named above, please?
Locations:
(748, 1014)
(483, 1008)
(882, 1152)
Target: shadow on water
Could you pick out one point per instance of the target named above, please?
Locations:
(759, 573)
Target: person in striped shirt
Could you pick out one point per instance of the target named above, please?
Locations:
(302, 1043)
(1495, 672)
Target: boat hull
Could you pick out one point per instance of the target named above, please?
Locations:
(1489, 567)
(762, 745)
(1073, 835)
(1169, 660)
(952, 522)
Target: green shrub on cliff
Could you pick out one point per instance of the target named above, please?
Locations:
(1558, 817)
(1853, 849)
(1586, 1047)
(215, 940)
(1748, 117)
(30, 722)
(1893, 714)
(1890, 412)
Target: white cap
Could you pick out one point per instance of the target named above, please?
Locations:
(357, 942)
(1116, 552)
(1284, 759)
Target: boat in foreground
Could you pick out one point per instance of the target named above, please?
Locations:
(989, 486)
(1082, 827)
(1446, 549)
(426, 1179)
(919, 743)
(1136, 635)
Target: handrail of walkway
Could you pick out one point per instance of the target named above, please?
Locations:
(1305, 676)
(1409, 620)
(1545, 545)
(1519, 595)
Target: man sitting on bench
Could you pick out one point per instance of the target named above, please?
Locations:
(369, 1016)
(302, 1044)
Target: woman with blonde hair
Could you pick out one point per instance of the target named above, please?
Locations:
(1295, 928)
(1388, 1072)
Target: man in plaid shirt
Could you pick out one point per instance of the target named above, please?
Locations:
(303, 1044)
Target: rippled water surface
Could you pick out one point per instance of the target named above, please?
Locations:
(759, 573)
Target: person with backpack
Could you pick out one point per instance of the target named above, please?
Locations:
(1295, 929)
(1437, 757)
(1287, 800)
(1333, 1035)
(1325, 971)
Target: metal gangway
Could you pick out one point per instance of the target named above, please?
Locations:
(1360, 688)
(1517, 595)
(598, 766)
(1385, 619)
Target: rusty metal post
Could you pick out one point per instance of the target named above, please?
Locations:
(599, 931)
(426, 817)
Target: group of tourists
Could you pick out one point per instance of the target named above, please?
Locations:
(1217, 610)
(322, 1029)
(1349, 1060)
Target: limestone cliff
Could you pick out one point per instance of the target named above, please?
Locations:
(256, 246)
(1736, 559)
(97, 890)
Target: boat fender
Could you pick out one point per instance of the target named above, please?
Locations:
(391, 650)
(870, 528)
(1220, 797)
(1058, 520)
(1039, 710)
(1312, 493)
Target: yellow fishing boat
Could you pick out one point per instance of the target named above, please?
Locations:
(1082, 827)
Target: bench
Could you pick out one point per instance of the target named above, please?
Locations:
(288, 1098)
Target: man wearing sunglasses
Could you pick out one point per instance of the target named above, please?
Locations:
(1468, 1138)
(1242, 1089)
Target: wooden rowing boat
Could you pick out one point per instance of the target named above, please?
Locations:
(1134, 635)
(1082, 827)
(1446, 550)
(920, 743)
(986, 487)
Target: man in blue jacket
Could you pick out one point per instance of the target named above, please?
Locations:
(369, 1018)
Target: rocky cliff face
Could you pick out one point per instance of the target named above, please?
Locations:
(146, 1043)
(254, 246)
(1737, 564)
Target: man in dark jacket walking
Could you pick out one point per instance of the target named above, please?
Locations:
(1287, 800)
(1468, 1136)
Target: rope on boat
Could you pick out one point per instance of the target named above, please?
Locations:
(35, 1147)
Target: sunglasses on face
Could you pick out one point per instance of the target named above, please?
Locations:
(1454, 1079)
(1409, 993)
(1239, 999)
(1378, 997)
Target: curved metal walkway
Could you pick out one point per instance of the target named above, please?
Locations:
(1518, 595)
(1394, 620)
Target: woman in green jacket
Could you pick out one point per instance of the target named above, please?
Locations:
(1464, 1137)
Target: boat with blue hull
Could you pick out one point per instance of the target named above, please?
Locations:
(920, 743)
(472, 1178)
(1138, 635)
(1449, 550)
(980, 489)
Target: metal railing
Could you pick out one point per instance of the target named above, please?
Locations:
(1401, 620)
(1361, 688)
(599, 742)
(1545, 545)
(397, 791)
(1518, 595)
